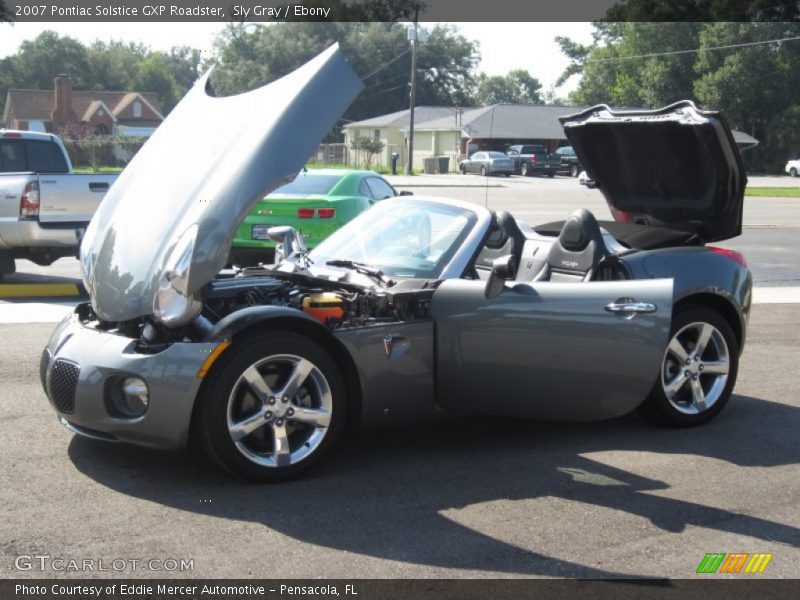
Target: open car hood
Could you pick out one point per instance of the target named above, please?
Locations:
(675, 167)
(198, 176)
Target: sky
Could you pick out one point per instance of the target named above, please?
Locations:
(504, 46)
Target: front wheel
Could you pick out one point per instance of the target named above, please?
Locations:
(573, 171)
(698, 370)
(793, 172)
(463, 169)
(484, 171)
(273, 406)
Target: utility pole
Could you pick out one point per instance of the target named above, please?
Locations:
(410, 164)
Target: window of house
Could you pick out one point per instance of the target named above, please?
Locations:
(101, 129)
(137, 109)
(376, 135)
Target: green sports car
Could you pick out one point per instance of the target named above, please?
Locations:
(316, 203)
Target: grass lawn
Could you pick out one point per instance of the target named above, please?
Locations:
(776, 192)
(100, 170)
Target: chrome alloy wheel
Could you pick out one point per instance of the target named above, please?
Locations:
(695, 368)
(279, 410)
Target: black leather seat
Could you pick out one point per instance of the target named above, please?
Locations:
(505, 237)
(577, 251)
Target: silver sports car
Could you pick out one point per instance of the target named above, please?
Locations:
(418, 309)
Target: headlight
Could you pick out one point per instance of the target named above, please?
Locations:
(173, 305)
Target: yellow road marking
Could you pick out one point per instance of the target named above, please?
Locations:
(38, 290)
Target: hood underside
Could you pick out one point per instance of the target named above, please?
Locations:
(676, 167)
(202, 170)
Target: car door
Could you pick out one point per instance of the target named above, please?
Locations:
(475, 162)
(549, 350)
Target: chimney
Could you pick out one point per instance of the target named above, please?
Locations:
(62, 111)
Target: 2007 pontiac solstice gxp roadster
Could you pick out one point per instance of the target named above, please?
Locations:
(416, 309)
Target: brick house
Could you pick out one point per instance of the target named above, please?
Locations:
(124, 113)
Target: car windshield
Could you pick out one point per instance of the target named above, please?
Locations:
(403, 238)
(496, 155)
(309, 183)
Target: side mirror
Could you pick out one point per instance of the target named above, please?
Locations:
(289, 242)
(406, 193)
(503, 269)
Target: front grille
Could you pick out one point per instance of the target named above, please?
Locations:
(63, 382)
(44, 362)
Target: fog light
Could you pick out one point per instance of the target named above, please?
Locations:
(135, 396)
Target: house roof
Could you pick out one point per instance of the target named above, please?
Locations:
(507, 121)
(39, 104)
(402, 117)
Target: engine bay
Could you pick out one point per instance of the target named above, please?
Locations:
(335, 304)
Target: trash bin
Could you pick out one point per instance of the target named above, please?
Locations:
(395, 156)
(429, 166)
(444, 164)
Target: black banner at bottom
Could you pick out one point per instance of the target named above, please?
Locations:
(391, 589)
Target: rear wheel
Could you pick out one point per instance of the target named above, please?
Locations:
(573, 171)
(523, 169)
(698, 370)
(793, 172)
(272, 407)
(551, 174)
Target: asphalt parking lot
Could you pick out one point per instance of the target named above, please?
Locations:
(469, 498)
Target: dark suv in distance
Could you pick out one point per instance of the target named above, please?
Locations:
(569, 161)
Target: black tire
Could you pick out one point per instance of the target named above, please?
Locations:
(793, 172)
(551, 174)
(463, 169)
(573, 171)
(224, 393)
(678, 412)
(484, 171)
(523, 169)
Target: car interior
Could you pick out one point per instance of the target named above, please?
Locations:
(578, 252)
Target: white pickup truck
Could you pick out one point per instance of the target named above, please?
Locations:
(44, 206)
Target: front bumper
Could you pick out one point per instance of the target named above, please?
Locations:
(79, 363)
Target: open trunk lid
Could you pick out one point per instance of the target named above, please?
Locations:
(675, 167)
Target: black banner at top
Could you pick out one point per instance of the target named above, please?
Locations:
(265, 11)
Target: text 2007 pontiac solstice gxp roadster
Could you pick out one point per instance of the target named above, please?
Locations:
(416, 309)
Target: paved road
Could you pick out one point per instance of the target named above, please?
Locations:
(476, 498)
(770, 241)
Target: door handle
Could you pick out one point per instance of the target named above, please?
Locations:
(98, 187)
(630, 307)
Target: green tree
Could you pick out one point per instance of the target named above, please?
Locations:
(757, 87)
(367, 148)
(517, 87)
(252, 55)
(634, 64)
(154, 76)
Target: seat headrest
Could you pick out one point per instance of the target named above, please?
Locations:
(579, 229)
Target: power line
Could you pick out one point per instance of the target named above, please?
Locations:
(382, 67)
(674, 52)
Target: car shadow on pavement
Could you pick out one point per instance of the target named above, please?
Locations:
(384, 495)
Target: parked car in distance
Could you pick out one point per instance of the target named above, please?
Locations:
(569, 161)
(44, 206)
(793, 167)
(584, 179)
(316, 203)
(533, 158)
(487, 163)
